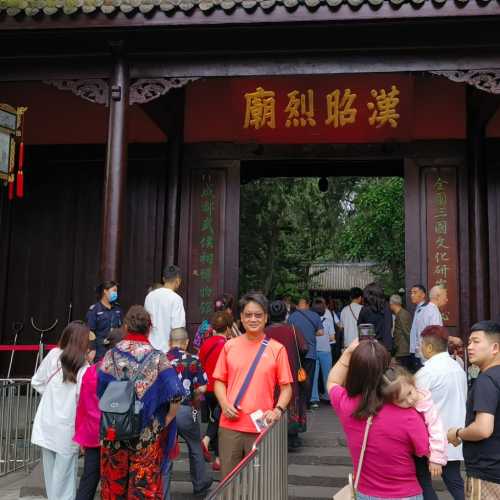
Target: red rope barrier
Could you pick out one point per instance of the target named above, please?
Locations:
(28, 347)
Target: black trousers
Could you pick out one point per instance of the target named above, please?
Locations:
(91, 474)
(309, 366)
(214, 413)
(451, 478)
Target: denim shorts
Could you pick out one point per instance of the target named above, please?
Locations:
(360, 496)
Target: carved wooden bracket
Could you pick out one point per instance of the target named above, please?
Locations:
(148, 89)
(92, 90)
(141, 91)
(487, 80)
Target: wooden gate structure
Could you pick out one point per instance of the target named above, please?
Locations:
(142, 114)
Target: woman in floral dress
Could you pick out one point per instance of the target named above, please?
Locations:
(132, 469)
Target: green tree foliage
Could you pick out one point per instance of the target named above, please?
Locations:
(287, 224)
(373, 228)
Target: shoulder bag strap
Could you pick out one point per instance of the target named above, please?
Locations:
(250, 373)
(296, 346)
(363, 449)
(59, 368)
(308, 319)
(352, 312)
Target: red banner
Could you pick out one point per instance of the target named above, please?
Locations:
(301, 109)
(442, 241)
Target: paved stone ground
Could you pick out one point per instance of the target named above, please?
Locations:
(315, 472)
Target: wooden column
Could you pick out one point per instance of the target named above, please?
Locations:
(481, 106)
(175, 141)
(116, 169)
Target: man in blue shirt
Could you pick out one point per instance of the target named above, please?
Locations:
(309, 323)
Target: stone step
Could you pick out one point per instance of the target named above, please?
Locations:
(320, 456)
(330, 440)
(310, 492)
(324, 493)
(328, 476)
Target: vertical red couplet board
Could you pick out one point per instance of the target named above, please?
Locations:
(207, 187)
(442, 241)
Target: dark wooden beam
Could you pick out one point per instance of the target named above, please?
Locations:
(481, 107)
(116, 170)
(270, 64)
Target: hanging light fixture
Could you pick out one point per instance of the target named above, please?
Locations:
(323, 184)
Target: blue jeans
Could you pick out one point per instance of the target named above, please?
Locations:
(324, 359)
(360, 496)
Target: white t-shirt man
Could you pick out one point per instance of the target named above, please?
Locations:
(167, 312)
(349, 319)
(447, 381)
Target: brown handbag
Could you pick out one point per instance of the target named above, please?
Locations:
(301, 373)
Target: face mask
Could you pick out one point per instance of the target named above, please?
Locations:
(113, 296)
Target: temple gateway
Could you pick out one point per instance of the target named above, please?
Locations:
(142, 116)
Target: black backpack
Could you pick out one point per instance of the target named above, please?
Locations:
(120, 408)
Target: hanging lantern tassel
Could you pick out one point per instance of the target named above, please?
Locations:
(11, 188)
(20, 175)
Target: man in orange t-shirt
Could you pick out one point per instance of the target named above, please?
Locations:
(237, 430)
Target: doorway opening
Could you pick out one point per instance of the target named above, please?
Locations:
(319, 228)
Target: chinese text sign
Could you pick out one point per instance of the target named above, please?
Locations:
(442, 241)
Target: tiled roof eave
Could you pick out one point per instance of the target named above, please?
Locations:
(70, 7)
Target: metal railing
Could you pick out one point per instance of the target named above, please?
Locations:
(18, 404)
(263, 473)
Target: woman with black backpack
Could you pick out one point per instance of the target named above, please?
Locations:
(139, 392)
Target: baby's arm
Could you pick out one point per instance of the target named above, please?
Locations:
(437, 437)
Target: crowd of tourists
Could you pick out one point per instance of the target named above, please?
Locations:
(122, 389)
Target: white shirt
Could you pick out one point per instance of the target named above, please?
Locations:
(426, 314)
(323, 342)
(349, 319)
(447, 381)
(54, 424)
(167, 312)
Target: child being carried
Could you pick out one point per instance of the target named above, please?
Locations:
(400, 389)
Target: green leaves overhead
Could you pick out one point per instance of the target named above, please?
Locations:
(287, 224)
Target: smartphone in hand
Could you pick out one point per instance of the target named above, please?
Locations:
(366, 331)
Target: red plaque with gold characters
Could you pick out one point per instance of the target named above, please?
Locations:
(301, 109)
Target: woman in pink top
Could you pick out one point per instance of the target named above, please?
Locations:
(396, 435)
(88, 418)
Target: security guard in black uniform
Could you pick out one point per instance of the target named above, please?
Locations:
(104, 315)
